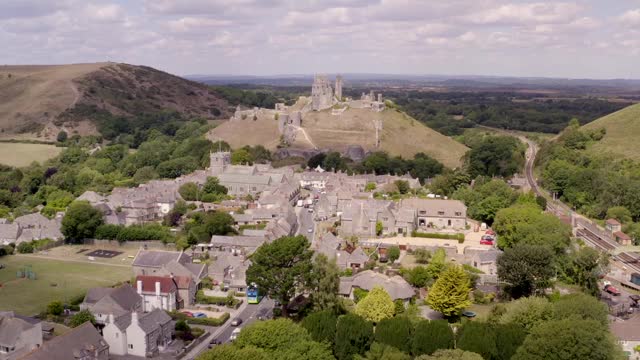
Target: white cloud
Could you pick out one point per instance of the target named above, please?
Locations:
(104, 12)
(630, 18)
(187, 24)
(527, 13)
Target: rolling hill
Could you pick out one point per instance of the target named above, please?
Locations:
(38, 101)
(400, 135)
(623, 131)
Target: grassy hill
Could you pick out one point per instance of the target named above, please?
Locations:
(42, 100)
(401, 134)
(623, 130)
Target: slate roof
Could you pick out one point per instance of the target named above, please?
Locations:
(11, 327)
(118, 301)
(626, 330)
(395, 286)
(244, 179)
(79, 343)
(240, 241)
(613, 222)
(433, 206)
(151, 321)
(155, 258)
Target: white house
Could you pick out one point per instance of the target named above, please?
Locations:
(139, 334)
(157, 292)
(628, 335)
(18, 335)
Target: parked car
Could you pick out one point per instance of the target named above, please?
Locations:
(213, 343)
(310, 210)
(199, 315)
(234, 334)
(188, 313)
(490, 232)
(612, 290)
(488, 237)
(468, 314)
(310, 230)
(236, 322)
(486, 242)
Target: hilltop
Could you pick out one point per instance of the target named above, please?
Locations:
(623, 130)
(400, 135)
(41, 100)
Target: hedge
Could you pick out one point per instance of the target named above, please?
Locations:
(228, 301)
(133, 232)
(459, 237)
(175, 315)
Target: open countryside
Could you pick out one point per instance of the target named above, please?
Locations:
(21, 154)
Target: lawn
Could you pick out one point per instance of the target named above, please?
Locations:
(71, 279)
(19, 154)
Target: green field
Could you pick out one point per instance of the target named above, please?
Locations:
(623, 131)
(29, 297)
(19, 154)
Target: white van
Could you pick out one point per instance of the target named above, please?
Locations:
(234, 334)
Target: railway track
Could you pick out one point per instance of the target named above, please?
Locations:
(630, 260)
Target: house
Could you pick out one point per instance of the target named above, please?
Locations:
(139, 334)
(18, 335)
(81, 343)
(361, 217)
(437, 213)
(167, 263)
(102, 302)
(229, 270)
(622, 238)
(397, 287)
(9, 233)
(613, 225)
(30, 227)
(331, 247)
(486, 261)
(628, 334)
(157, 292)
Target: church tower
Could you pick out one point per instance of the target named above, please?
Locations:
(218, 162)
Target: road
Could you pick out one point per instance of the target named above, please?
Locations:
(248, 314)
(305, 222)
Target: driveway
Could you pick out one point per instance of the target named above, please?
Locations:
(247, 312)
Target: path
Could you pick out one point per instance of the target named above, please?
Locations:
(306, 136)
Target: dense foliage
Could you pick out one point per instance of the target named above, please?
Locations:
(495, 156)
(450, 293)
(451, 112)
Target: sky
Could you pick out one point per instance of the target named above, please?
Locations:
(580, 39)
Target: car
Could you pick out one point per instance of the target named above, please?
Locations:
(469, 314)
(236, 322)
(310, 230)
(234, 334)
(486, 242)
(199, 315)
(612, 290)
(188, 313)
(488, 237)
(1, 266)
(310, 210)
(213, 343)
(490, 232)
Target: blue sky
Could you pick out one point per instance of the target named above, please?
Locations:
(578, 39)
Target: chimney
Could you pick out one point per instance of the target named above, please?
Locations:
(134, 317)
(139, 286)
(157, 288)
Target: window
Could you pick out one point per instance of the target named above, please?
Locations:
(385, 219)
(423, 212)
(441, 213)
(458, 213)
(130, 346)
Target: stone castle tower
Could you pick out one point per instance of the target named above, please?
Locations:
(321, 93)
(219, 161)
(339, 87)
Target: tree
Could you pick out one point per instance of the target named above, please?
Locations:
(584, 268)
(219, 223)
(81, 318)
(456, 354)
(430, 336)
(496, 156)
(395, 332)
(479, 338)
(321, 326)
(189, 191)
(272, 335)
(370, 187)
(568, 339)
(325, 283)
(25, 248)
(418, 276)
(145, 174)
(508, 340)
(620, 213)
(527, 312)
(62, 136)
(81, 221)
(580, 306)
(384, 352)
(376, 306)
(437, 264)
(281, 268)
(422, 255)
(353, 336)
(450, 293)
(393, 253)
(403, 186)
(527, 224)
(379, 228)
(241, 156)
(231, 352)
(55, 308)
(526, 269)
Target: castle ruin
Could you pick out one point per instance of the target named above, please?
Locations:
(321, 93)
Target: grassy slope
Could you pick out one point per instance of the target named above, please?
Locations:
(29, 297)
(623, 130)
(16, 154)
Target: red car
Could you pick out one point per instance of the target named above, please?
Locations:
(490, 232)
(611, 290)
(188, 313)
(486, 242)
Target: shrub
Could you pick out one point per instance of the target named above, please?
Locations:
(459, 237)
(395, 332)
(175, 315)
(25, 248)
(81, 318)
(55, 308)
(229, 301)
